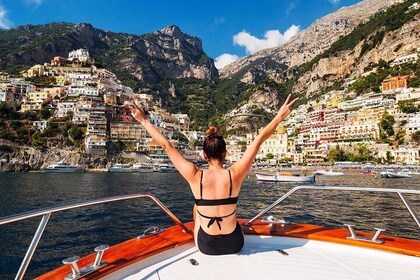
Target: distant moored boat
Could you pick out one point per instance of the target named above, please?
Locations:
(285, 178)
(62, 167)
(120, 168)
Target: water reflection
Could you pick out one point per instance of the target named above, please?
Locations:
(77, 232)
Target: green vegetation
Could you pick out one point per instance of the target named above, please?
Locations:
(409, 106)
(337, 154)
(43, 81)
(115, 148)
(373, 81)
(387, 124)
(361, 153)
(76, 133)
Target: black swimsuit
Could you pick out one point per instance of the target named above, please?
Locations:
(220, 244)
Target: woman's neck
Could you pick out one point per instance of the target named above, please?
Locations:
(215, 164)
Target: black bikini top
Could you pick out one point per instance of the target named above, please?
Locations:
(215, 202)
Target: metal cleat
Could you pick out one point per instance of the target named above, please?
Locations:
(353, 235)
(376, 235)
(153, 230)
(72, 261)
(99, 255)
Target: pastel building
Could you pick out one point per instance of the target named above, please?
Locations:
(276, 144)
(64, 108)
(394, 83)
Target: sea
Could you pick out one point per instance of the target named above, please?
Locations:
(79, 231)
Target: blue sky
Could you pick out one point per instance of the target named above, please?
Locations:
(237, 27)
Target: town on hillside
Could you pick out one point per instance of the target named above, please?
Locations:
(72, 103)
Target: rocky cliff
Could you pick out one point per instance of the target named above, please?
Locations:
(306, 45)
(165, 54)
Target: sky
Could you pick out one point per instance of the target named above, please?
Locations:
(229, 29)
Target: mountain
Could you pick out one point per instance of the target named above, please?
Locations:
(317, 38)
(165, 54)
(334, 50)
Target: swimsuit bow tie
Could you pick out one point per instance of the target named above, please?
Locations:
(217, 220)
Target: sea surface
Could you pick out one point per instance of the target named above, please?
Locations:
(79, 231)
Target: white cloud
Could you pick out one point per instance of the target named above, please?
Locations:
(225, 59)
(5, 23)
(34, 2)
(272, 38)
(334, 1)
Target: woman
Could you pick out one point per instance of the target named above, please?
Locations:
(215, 190)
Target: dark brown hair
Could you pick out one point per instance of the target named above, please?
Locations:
(214, 145)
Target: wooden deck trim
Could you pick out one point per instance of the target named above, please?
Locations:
(133, 250)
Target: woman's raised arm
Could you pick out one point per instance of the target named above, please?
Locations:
(242, 166)
(186, 168)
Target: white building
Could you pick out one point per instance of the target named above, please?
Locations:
(413, 125)
(63, 108)
(80, 54)
(184, 121)
(40, 125)
(82, 90)
(403, 155)
(409, 58)
(408, 94)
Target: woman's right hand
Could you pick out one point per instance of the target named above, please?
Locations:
(137, 113)
(286, 109)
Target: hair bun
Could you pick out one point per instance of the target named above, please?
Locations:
(212, 131)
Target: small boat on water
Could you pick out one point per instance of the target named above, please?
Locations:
(389, 173)
(167, 168)
(141, 168)
(302, 251)
(62, 167)
(328, 173)
(120, 168)
(285, 177)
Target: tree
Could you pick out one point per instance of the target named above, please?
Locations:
(363, 154)
(337, 154)
(388, 157)
(76, 133)
(387, 124)
(269, 156)
(416, 137)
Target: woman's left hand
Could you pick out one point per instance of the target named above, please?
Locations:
(137, 113)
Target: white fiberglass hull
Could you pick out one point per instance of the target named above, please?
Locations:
(394, 175)
(142, 170)
(67, 170)
(328, 173)
(260, 259)
(120, 170)
(281, 178)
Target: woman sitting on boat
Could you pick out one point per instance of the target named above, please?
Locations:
(215, 190)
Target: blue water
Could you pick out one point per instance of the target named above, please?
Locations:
(77, 232)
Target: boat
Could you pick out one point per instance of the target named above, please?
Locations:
(141, 168)
(368, 171)
(62, 167)
(167, 168)
(274, 248)
(389, 173)
(328, 173)
(282, 177)
(120, 168)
